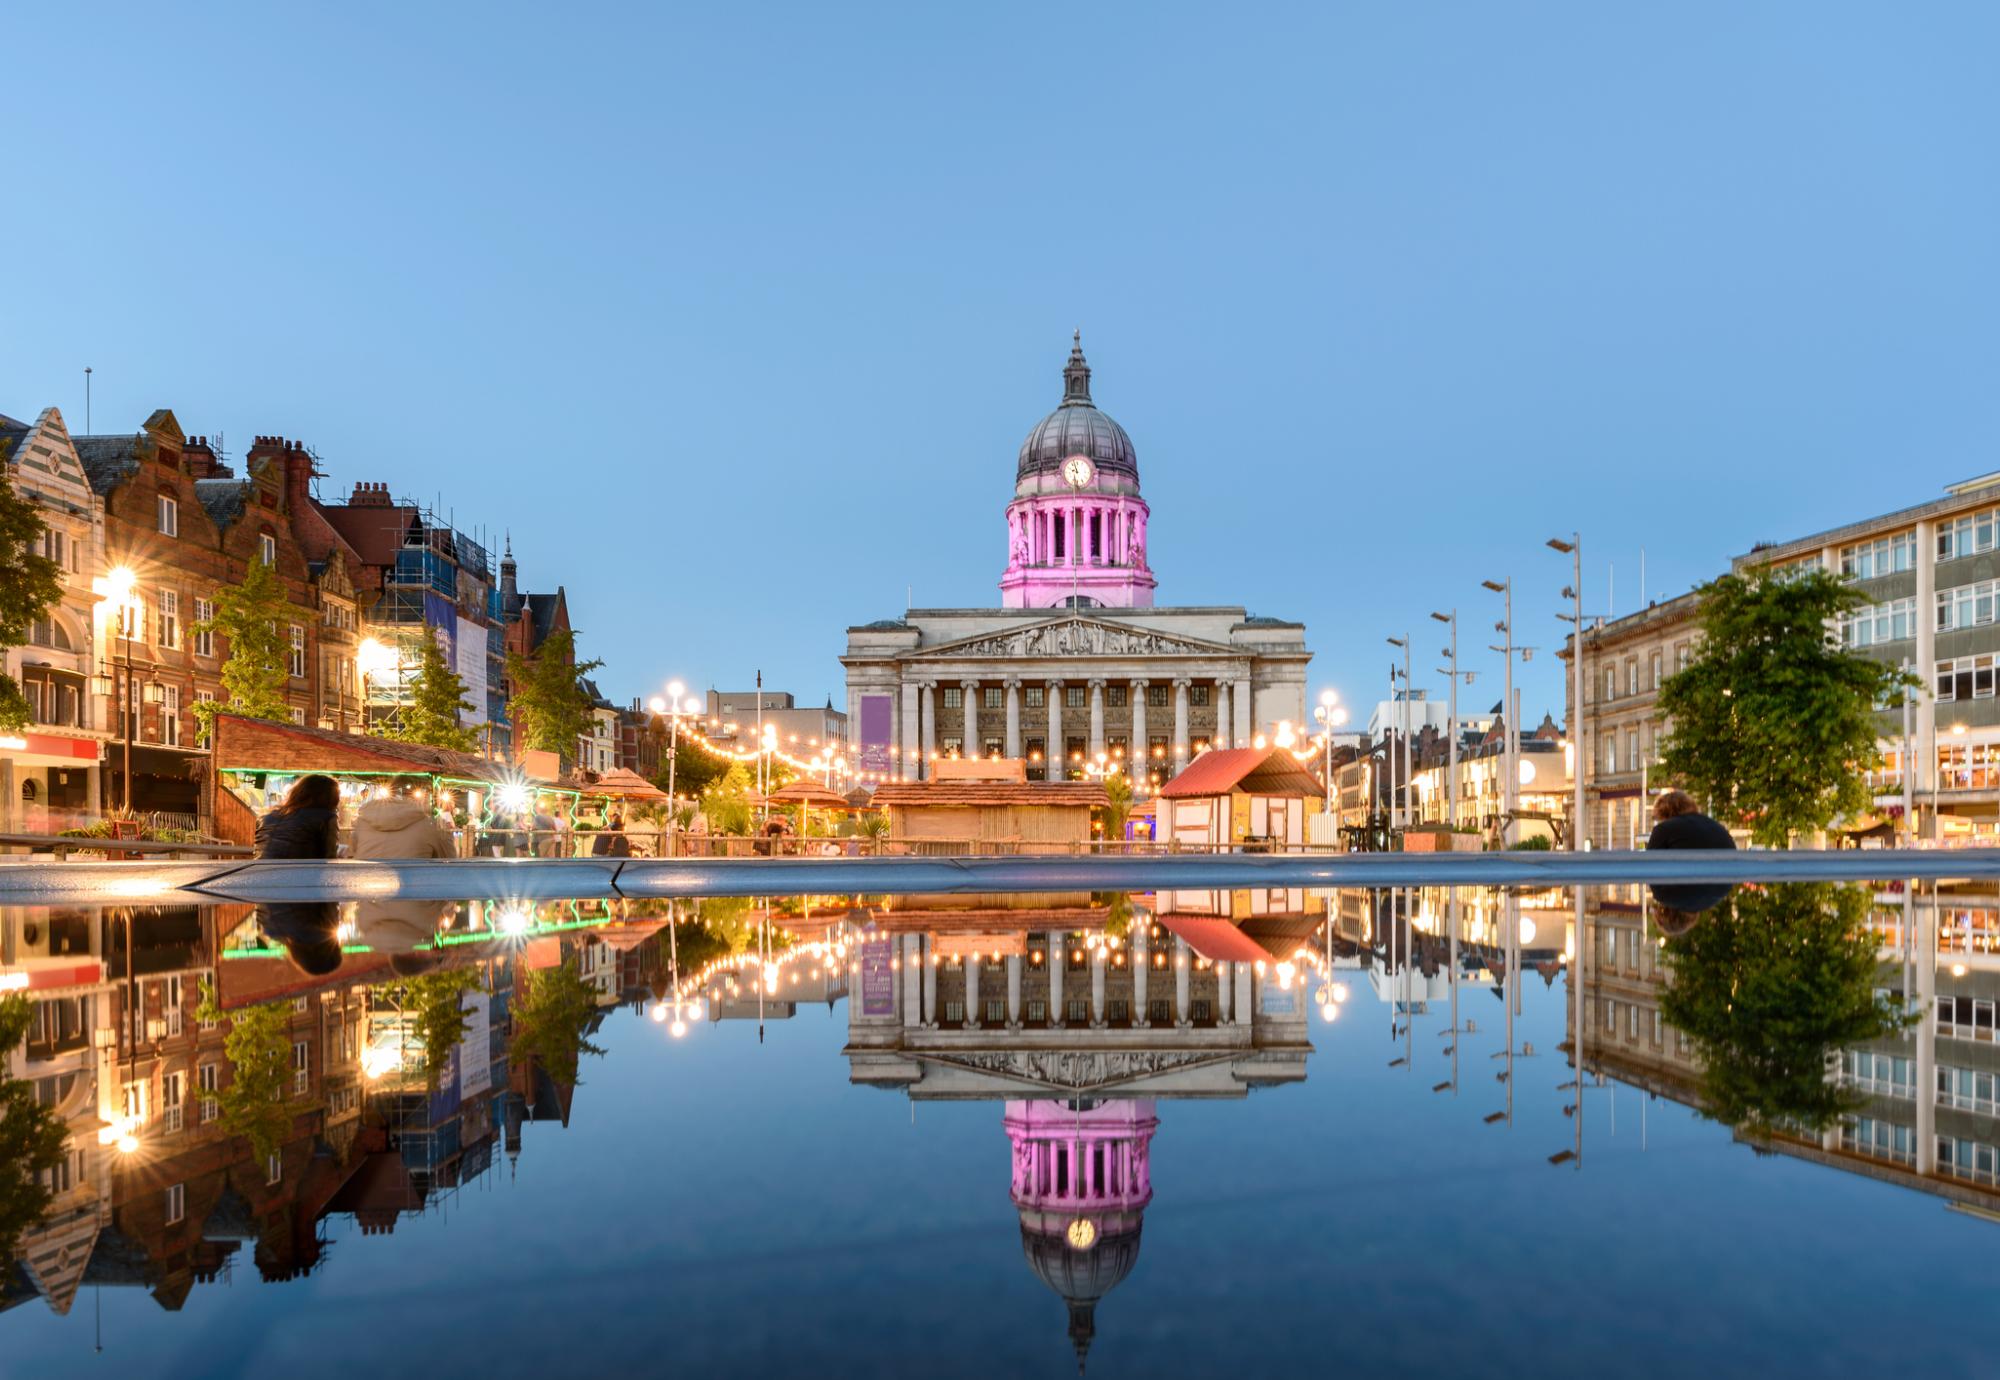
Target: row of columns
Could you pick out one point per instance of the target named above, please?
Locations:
(1231, 700)
(920, 998)
(1123, 532)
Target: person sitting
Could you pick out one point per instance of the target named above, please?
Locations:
(1680, 824)
(306, 825)
(400, 826)
(610, 841)
(309, 932)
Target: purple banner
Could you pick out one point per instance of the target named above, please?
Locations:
(878, 977)
(877, 732)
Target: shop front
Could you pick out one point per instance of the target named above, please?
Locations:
(48, 781)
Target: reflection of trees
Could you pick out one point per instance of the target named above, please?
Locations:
(1768, 985)
(552, 1009)
(433, 1003)
(32, 1138)
(255, 1104)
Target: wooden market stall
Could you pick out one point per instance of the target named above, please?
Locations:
(1239, 797)
(990, 804)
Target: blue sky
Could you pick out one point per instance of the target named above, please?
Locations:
(736, 316)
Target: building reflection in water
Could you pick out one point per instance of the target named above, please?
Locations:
(1081, 1017)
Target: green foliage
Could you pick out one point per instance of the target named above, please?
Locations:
(874, 825)
(1773, 720)
(1768, 985)
(32, 1139)
(694, 767)
(29, 583)
(255, 1104)
(433, 1003)
(1539, 843)
(437, 697)
(1118, 786)
(553, 1007)
(726, 802)
(251, 616)
(549, 708)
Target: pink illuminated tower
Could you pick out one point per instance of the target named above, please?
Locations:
(1082, 1179)
(1076, 530)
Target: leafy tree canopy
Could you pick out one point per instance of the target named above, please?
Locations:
(548, 706)
(32, 1139)
(437, 698)
(553, 1007)
(1773, 721)
(29, 584)
(1767, 985)
(252, 617)
(256, 1102)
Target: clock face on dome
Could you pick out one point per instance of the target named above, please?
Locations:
(1082, 1232)
(1077, 471)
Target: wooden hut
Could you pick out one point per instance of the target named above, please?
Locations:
(1235, 797)
(990, 805)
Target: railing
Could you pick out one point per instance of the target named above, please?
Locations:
(61, 845)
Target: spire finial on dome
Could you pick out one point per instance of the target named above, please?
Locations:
(1076, 373)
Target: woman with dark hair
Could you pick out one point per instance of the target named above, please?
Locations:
(307, 825)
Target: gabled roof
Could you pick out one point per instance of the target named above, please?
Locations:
(375, 532)
(542, 610)
(267, 745)
(1083, 795)
(108, 460)
(223, 499)
(1254, 771)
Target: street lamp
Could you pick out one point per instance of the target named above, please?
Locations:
(1573, 548)
(1510, 742)
(114, 589)
(1330, 716)
(1408, 806)
(1451, 718)
(672, 706)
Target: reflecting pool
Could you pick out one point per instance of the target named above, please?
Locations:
(1436, 1132)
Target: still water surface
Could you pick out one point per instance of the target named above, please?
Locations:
(1157, 1134)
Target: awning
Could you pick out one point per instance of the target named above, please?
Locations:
(1215, 939)
(50, 749)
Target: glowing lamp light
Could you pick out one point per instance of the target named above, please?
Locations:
(513, 920)
(1958, 970)
(1328, 1012)
(677, 1029)
(127, 1143)
(1527, 930)
(512, 796)
(1527, 772)
(659, 1012)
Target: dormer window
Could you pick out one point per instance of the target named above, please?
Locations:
(170, 516)
(267, 549)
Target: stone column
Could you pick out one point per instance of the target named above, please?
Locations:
(925, 961)
(1223, 973)
(1182, 980)
(1013, 991)
(1052, 756)
(969, 745)
(9, 793)
(972, 991)
(1245, 1003)
(1013, 716)
(1097, 967)
(1925, 749)
(912, 959)
(1926, 961)
(1180, 722)
(1140, 931)
(1096, 717)
(912, 732)
(930, 729)
(1244, 708)
(1140, 756)
(1058, 956)
(1222, 720)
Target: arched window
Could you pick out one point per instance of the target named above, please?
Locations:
(46, 632)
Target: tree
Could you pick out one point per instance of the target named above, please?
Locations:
(434, 1002)
(1768, 985)
(32, 1139)
(1118, 787)
(553, 1008)
(694, 766)
(726, 802)
(29, 583)
(251, 615)
(1773, 722)
(437, 698)
(256, 1103)
(549, 707)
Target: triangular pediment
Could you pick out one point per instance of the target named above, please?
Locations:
(1077, 637)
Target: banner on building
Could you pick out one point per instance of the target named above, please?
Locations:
(878, 975)
(878, 717)
(470, 659)
(475, 1051)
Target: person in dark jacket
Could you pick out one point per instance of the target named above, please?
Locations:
(610, 841)
(307, 825)
(1678, 823)
(310, 932)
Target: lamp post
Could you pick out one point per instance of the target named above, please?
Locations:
(1451, 720)
(1573, 548)
(1330, 716)
(1409, 783)
(1509, 743)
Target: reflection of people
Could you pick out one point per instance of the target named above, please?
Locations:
(400, 927)
(399, 826)
(309, 932)
(307, 825)
(1680, 824)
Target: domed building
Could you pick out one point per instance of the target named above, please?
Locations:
(1082, 1179)
(1077, 526)
(1077, 667)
